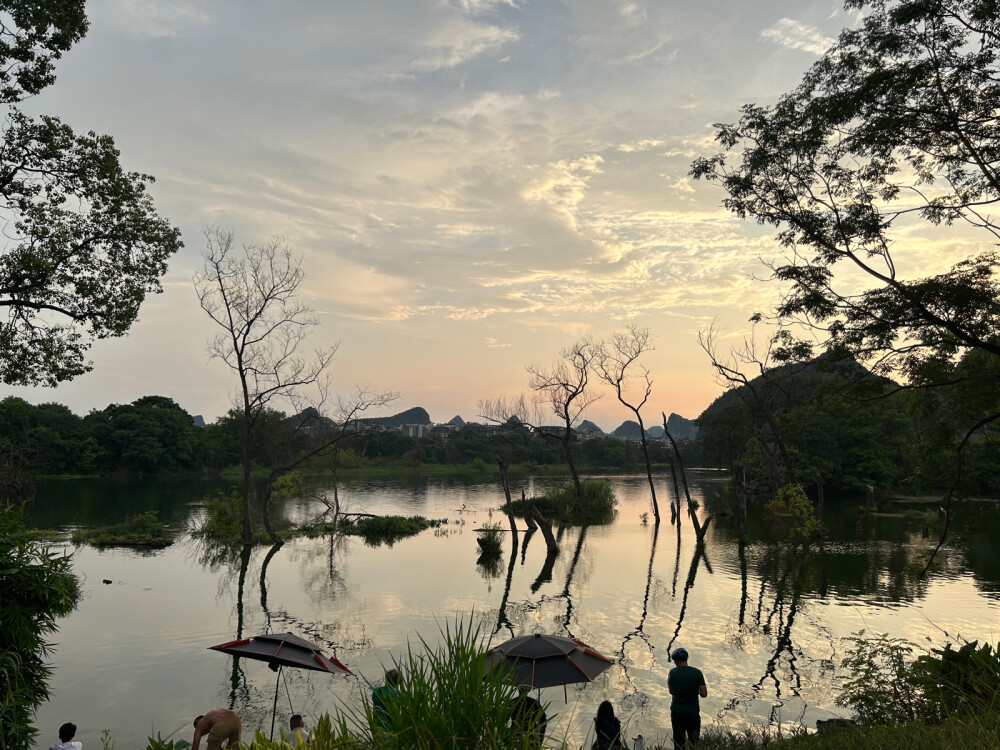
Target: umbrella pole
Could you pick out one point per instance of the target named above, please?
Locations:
(274, 709)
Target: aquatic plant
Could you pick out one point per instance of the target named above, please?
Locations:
(142, 530)
(600, 497)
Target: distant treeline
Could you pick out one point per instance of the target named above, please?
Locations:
(154, 435)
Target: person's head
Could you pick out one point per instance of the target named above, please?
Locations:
(296, 722)
(605, 710)
(392, 677)
(679, 656)
(198, 718)
(67, 731)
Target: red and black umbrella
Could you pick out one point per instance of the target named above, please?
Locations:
(539, 660)
(281, 650)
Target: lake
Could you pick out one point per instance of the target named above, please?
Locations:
(766, 626)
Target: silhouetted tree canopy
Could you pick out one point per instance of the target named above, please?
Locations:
(893, 131)
(83, 242)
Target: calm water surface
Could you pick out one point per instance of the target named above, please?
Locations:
(766, 627)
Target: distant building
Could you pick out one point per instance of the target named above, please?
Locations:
(444, 431)
(416, 430)
(481, 429)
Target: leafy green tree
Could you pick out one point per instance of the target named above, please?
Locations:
(151, 434)
(895, 126)
(84, 245)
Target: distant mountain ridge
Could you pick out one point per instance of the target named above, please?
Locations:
(680, 427)
(416, 415)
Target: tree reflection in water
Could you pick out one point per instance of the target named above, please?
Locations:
(639, 630)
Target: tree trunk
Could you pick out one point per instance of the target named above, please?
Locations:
(509, 507)
(649, 469)
(546, 526)
(675, 502)
(528, 520)
(581, 496)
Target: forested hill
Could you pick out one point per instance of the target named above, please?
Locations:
(834, 420)
(416, 415)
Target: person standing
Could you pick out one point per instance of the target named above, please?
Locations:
(219, 725)
(686, 684)
(66, 734)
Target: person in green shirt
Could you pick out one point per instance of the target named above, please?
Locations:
(382, 695)
(686, 684)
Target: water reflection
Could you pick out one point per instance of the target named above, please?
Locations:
(765, 619)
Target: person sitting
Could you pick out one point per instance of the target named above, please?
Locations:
(66, 734)
(528, 717)
(607, 728)
(297, 726)
(383, 695)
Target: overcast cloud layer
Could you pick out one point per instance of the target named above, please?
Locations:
(473, 183)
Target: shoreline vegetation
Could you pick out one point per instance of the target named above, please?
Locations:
(446, 698)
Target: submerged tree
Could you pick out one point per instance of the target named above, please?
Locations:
(252, 295)
(616, 359)
(564, 388)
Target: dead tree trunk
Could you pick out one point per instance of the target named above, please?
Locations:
(509, 506)
(699, 528)
(546, 526)
(528, 520)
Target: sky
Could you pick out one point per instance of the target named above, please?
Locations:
(473, 184)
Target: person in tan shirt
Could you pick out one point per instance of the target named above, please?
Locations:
(219, 725)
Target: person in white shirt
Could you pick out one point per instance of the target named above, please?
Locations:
(66, 734)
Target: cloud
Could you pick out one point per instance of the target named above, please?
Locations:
(797, 35)
(159, 18)
(457, 42)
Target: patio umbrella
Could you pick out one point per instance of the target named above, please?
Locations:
(540, 660)
(281, 650)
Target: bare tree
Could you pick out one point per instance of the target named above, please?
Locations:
(517, 414)
(563, 387)
(251, 293)
(615, 359)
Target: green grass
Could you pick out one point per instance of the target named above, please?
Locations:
(386, 529)
(143, 530)
(490, 538)
(600, 495)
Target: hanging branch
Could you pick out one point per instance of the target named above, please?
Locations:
(960, 458)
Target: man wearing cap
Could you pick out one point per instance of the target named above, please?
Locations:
(685, 684)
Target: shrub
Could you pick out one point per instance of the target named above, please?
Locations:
(878, 691)
(886, 688)
(791, 515)
(600, 498)
(36, 587)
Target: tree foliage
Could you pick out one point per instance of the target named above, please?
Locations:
(895, 130)
(36, 587)
(84, 244)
